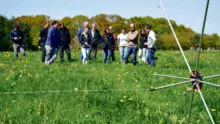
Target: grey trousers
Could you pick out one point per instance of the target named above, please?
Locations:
(18, 47)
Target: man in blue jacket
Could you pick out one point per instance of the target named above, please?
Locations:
(17, 36)
(52, 43)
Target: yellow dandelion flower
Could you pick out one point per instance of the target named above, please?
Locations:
(130, 99)
(166, 104)
(143, 101)
(7, 78)
(213, 110)
(121, 100)
(125, 97)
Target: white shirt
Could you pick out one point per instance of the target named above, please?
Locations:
(123, 39)
(151, 38)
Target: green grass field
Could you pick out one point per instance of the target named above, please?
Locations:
(169, 105)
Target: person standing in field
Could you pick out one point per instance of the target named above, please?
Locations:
(80, 31)
(85, 41)
(132, 44)
(42, 40)
(65, 43)
(107, 45)
(95, 39)
(151, 43)
(142, 53)
(52, 43)
(115, 39)
(123, 43)
(17, 36)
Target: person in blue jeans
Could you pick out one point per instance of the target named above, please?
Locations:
(132, 44)
(123, 43)
(79, 33)
(42, 40)
(52, 43)
(107, 45)
(151, 43)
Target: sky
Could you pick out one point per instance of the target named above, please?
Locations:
(187, 12)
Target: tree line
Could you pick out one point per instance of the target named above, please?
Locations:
(31, 26)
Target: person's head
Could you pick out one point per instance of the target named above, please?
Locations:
(16, 28)
(132, 27)
(86, 24)
(143, 32)
(47, 24)
(86, 30)
(55, 24)
(107, 31)
(123, 31)
(147, 29)
(61, 26)
(93, 26)
(110, 29)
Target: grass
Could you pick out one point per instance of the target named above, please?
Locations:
(163, 106)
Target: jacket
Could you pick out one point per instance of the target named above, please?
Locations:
(84, 39)
(43, 36)
(107, 41)
(64, 36)
(96, 39)
(143, 40)
(53, 37)
(18, 34)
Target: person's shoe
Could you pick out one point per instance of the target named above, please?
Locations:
(46, 63)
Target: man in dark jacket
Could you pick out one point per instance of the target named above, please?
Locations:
(17, 36)
(52, 43)
(95, 39)
(65, 43)
(42, 39)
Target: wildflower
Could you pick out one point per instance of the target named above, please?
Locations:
(125, 97)
(87, 116)
(213, 110)
(143, 101)
(130, 99)
(76, 89)
(7, 78)
(121, 100)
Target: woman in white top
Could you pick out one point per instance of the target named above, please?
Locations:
(123, 43)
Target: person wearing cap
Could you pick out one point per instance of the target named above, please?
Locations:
(151, 43)
(42, 40)
(132, 45)
(95, 40)
(17, 36)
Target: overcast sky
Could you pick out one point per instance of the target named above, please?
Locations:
(187, 12)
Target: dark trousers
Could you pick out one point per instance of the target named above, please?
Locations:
(43, 52)
(113, 55)
(150, 57)
(94, 49)
(106, 55)
(63, 48)
(133, 51)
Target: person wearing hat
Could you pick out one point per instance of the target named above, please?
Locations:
(17, 36)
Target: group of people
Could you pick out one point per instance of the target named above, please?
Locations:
(56, 39)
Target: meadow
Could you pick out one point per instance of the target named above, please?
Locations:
(119, 93)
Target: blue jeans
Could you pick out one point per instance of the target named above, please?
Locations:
(51, 54)
(122, 50)
(106, 54)
(43, 52)
(150, 56)
(129, 51)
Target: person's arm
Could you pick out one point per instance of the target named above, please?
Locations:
(79, 34)
(11, 36)
(135, 35)
(40, 38)
(81, 40)
(22, 35)
(152, 38)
